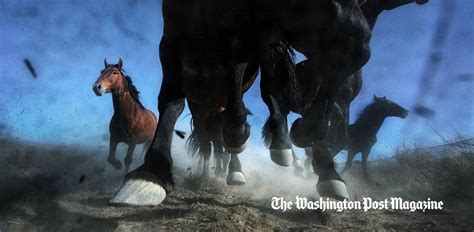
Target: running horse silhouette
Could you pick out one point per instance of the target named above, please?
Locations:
(362, 134)
(131, 123)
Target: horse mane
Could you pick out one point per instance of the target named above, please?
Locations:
(367, 113)
(132, 89)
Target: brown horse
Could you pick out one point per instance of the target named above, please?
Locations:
(131, 123)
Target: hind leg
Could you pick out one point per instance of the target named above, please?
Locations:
(129, 157)
(200, 113)
(350, 158)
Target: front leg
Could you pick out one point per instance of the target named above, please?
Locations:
(148, 184)
(236, 130)
(279, 88)
(112, 149)
(129, 157)
(330, 184)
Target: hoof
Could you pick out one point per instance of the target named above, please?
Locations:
(136, 192)
(333, 188)
(237, 150)
(115, 163)
(236, 178)
(282, 157)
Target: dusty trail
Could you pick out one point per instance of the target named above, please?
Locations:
(52, 188)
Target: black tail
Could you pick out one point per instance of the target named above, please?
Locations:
(193, 143)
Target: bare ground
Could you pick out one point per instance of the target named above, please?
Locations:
(54, 188)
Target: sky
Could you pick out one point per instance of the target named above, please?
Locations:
(67, 41)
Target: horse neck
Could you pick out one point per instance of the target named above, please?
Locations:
(370, 123)
(124, 104)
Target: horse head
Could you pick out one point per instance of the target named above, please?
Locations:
(390, 108)
(110, 78)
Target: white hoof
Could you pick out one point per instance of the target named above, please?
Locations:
(282, 157)
(135, 192)
(334, 189)
(236, 178)
(237, 150)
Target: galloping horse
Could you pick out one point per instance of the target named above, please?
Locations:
(210, 48)
(131, 123)
(322, 82)
(362, 134)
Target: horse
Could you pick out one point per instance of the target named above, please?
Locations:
(131, 123)
(319, 95)
(362, 134)
(208, 50)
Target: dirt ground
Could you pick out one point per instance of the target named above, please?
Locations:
(58, 188)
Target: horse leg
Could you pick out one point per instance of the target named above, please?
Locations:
(205, 153)
(350, 156)
(236, 130)
(365, 155)
(277, 91)
(235, 176)
(297, 165)
(148, 184)
(309, 158)
(112, 149)
(332, 57)
(330, 184)
(145, 148)
(129, 157)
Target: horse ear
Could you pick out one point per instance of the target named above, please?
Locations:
(384, 98)
(105, 63)
(375, 97)
(120, 63)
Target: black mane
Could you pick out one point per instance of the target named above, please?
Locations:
(132, 89)
(368, 112)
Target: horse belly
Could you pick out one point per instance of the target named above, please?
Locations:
(206, 88)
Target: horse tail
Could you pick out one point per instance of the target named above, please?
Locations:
(284, 58)
(193, 143)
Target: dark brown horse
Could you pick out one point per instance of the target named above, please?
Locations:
(329, 76)
(208, 50)
(131, 123)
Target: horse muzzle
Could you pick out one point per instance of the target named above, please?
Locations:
(405, 114)
(98, 90)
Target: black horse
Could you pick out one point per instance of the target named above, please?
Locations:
(362, 134)
(321, 85)
(210, 49)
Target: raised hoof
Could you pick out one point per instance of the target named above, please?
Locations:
(115, 163)
(333, 189)
(237, 150)
(137, 192)
(282, 157)
(236, 178)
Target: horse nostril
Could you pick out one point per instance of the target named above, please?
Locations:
(98, 86)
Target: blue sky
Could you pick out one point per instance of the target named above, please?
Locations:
(67, 41)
